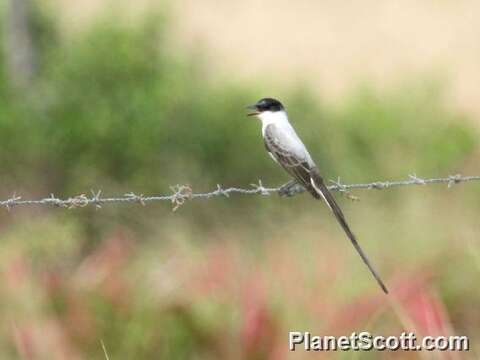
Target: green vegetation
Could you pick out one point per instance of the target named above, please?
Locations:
(113, 109)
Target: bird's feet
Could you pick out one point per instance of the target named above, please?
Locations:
(290, 189)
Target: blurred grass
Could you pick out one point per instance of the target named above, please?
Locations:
(114, 109)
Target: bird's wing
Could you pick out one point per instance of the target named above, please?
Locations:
(291, 154)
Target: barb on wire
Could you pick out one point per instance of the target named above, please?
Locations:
(182, 193)
(342, 189)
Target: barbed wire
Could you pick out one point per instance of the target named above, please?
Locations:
(181, 193)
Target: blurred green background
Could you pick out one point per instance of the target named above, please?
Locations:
(116, 107)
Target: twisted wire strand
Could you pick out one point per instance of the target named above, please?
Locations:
(182, 193)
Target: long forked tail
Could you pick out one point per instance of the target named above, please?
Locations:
(320, 187)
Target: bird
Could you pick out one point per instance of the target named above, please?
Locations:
(285, 148)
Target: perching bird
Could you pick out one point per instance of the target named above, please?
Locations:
(286, 148)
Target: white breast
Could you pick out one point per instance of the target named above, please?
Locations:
(279, 118)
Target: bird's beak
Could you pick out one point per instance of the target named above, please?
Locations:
(252, 107)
